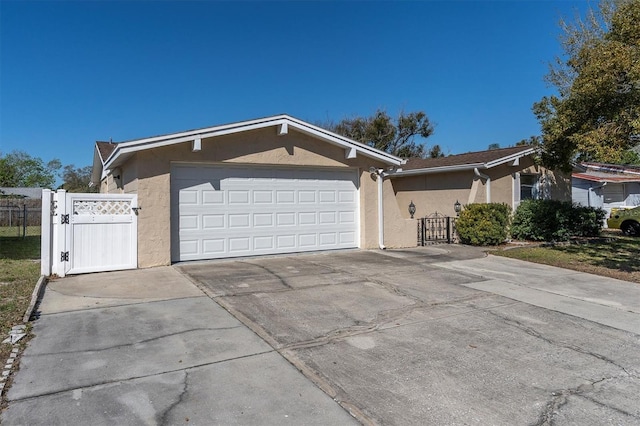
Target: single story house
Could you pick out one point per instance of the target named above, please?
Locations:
(606, 185)
(281, 185)
(505, 175)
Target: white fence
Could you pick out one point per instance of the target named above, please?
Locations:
(88, 232)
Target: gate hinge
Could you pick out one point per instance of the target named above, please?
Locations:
(64, 219)
(64, 256)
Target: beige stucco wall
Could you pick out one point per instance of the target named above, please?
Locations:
(148, 175)
(433, 193)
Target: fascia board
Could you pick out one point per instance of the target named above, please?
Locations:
(442, 169)
(124, 148)
(160, 141)
(342, 142)
(509, 158)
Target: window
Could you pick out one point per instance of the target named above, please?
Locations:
(529, 187)
(613, 193)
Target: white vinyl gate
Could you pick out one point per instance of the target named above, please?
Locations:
(88, 232)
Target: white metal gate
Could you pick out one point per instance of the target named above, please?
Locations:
(88, 232)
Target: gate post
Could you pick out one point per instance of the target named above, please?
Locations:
(46, 231)
(59, 233)
(448, 230)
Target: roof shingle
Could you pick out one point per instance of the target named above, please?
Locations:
(479, 157)
(105, 149)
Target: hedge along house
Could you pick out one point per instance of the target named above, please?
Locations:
(506, 175)
(266, 186)
(281, 185)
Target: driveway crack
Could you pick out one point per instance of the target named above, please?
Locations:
(124, 345)
(530, 331)
(561, 398)
(269, 271)
(142, 376)
(163, 417)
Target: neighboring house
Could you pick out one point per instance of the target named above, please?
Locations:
(606, 185)
(281, 185)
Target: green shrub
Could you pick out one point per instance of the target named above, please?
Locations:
(552, 220)
(483, 224)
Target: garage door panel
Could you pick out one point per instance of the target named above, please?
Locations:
(213, 246)
(285, 197)
(263, 197)
(240, 211)
(262, 219)
(189, 247)
(212, 197)
(307, 240)
(189, 196)
(189, 222)
(306, 197)
(328, 238)
(348, 238)
(347, 217)
(213, 221)
(307, 218)
(346, 197)
(327, 218)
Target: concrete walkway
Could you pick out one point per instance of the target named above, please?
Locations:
(147, 347)
(603, 300)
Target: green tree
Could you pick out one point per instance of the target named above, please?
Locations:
(19, 169)
(435, 152)
(77, 179)
(532, 141)
(493, 146)
(382, 132)
(596, 114)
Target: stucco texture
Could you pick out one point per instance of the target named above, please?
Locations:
(148, 174)
(438, 192)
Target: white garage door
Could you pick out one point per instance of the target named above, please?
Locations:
(225, 211)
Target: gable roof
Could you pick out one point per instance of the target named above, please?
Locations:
(108, 155)
(468, 161)
(105, 149)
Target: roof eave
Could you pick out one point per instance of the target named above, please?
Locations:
(511, 157)
(125, 148)
(441, 169)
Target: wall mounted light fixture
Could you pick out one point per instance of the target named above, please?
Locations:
(457, 207)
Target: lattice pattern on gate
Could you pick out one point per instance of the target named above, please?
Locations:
(101, 207)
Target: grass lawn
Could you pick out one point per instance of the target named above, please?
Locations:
(612, 256)
(16, 231)
(19, 273)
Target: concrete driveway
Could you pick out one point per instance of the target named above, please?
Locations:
(147, 347)
(444, 335)
(440, 335)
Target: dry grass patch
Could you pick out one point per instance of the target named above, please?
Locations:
(19, 273)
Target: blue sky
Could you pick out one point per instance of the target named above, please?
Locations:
(75, 72)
